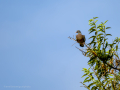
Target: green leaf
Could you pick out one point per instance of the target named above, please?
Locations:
(103, 81)
(101, 30)
(105, 21)
(96, 67)
(111, 45)
(89, 80)
(94, 88)
(90, 20)
(108, 34)
(110, 75)
(100, 34)
(92, 61)
(84, 69)
(92, 31)
(84, 75)
(95, 17)
(91, 84)
(99, 26)
(92, 37)
(116, 47)
(106, 44)
(100, 39)
(108, 27)
(91, 23)
(86, 79)
(102, 23)
(106, 39)
(94, 44)
(92, 41)
(92, 28)
(116, 39)
(95, 33)
(119, 39)
(96, 21)
(116, 55)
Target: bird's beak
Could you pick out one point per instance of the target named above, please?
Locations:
(75, 32)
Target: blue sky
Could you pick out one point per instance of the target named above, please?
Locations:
(34, 48)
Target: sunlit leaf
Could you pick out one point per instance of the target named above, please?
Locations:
(105, 21)
(96, 21)
(90, 20)
(95, 17)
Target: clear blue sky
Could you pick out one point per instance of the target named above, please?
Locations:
(34, 48)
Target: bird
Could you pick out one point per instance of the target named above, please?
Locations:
(80, 38)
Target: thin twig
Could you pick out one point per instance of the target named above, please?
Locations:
(74, 43)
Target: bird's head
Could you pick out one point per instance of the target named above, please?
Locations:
(78, 31)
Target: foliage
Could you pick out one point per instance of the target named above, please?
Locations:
(104, 59)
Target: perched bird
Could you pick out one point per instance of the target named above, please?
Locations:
(80, 38)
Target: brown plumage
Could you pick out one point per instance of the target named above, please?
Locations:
(80, 38)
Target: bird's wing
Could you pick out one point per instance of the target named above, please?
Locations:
(78, 37)
(84, 39)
